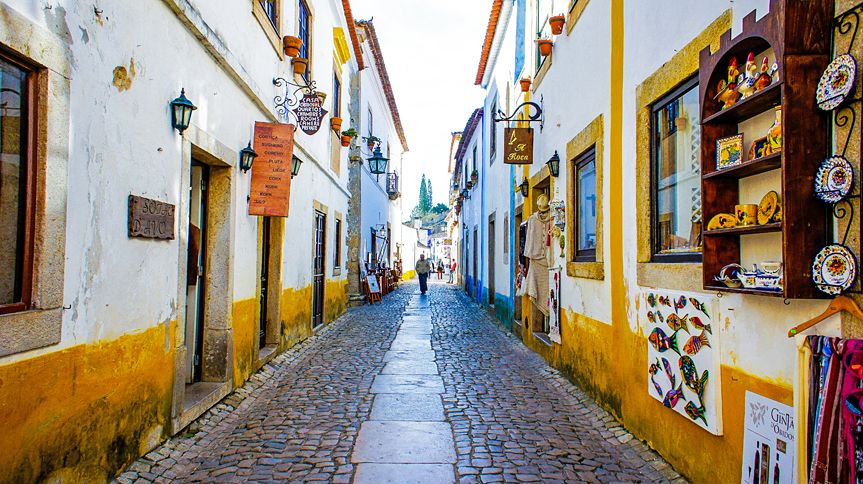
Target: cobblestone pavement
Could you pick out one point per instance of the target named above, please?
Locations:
(513, 419)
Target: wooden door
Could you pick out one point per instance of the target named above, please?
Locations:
(265, 277)
(319, 268)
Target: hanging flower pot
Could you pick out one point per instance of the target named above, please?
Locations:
(556, 24)
(525, 84)
(292, 45)
(544, 46)
(336, 123)
(474, 177)
(346, 141)
(371, 141)
(300, 65)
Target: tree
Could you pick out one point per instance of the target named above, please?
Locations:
(424, 204)
(440, 208)
(429, 193)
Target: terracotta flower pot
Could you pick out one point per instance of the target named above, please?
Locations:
(346, 141)
(300, 65)
(336, 123)
(556, 24)
(544, 47)
(525, 84)
(292, 45)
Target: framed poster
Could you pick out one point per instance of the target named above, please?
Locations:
(769, 448)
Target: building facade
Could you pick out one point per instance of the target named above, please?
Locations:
(622, 96)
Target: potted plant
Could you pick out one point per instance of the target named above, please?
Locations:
(544, 46)
(556, 23)
(525, 84)
(468, 184)
(300, 65)
(474, 177)
(336, 123)
(372, 141)
(347, 136)
(292, 45)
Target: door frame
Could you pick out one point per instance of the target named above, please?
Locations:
(491, 254)
(274, 285)
(323, 296)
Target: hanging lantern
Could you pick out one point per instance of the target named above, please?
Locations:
(295, 166)
(247, 157)
(181, 112)
(524, 187)
(554, 164)
(377, 162)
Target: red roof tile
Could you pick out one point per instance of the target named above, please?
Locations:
(352, 30)
(385, 78)
(489, 38)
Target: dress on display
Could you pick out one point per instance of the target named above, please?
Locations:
(536, 249)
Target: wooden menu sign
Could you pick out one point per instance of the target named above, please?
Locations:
(518, 146)
(150, 219)
(310, 113)
(270, 193)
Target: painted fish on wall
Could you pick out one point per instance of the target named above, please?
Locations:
(677, 323)
(690, 376)
(695, 343)
(698, 324)
(663, 343)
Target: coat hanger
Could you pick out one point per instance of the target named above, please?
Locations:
(837, 305)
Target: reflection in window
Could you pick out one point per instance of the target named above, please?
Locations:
(676, 172)
(272, 10)
(586, 207)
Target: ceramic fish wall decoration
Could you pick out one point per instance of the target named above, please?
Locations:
(682, 351)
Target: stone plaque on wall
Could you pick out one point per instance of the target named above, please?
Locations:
(270, 191)
(518, 146)
(150, 219)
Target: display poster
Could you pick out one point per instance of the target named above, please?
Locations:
(554, 304)
(270, 191)
(518, 146)
(310, 113)
(769, 450)
(683, 355)
(373, 283)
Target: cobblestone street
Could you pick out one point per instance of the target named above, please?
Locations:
(414, 389)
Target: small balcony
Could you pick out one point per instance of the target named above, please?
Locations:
(393, 186)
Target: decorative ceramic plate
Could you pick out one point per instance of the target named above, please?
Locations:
(834, 269)
(767, 207)
(834, 179)
(836, 82)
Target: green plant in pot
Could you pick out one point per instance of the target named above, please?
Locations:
(347, 136)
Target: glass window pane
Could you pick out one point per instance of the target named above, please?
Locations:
(677, 175)
(13, 180)
(587, 206)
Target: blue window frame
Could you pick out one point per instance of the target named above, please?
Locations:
(337, 96)
(305, 32)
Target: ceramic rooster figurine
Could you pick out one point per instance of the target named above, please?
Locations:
(727, 88)
(746, 84)
(766, 77)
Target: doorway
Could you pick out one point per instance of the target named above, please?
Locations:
(475, 252)
(318, 269)
(265, 276)
(491, 243)
(195, 267)
(519, 259)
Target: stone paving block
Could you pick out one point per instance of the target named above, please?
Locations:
(408, 354)
(409, 407)
(407, 384)
(392, 442)
(404, 474)
(410, 367)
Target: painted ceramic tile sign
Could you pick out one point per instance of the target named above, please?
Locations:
(769, 450)
(554, 304)
(682, 355)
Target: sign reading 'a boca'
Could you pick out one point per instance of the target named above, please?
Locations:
(270, 192)
(310, 113)
(518, 146)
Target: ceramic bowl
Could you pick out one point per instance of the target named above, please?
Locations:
(771, 268)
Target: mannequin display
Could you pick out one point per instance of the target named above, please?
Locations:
(536, 248)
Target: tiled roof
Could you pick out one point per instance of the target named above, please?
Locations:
(352, 30)
(489, 38)
(456, 135)
(385, 78)
(469, 128)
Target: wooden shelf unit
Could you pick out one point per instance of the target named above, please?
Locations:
(800, 35)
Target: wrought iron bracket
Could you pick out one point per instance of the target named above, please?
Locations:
(293, 92)
(538, 115)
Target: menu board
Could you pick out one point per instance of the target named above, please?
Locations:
(270, 192)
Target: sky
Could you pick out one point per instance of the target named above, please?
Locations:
(431, 50)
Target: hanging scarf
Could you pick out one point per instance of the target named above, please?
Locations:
(826, 459)
(852, 413)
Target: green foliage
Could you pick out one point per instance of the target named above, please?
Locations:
(440, 208)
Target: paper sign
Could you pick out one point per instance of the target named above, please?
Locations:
(373, 283)
(769, 451)
(270, 192)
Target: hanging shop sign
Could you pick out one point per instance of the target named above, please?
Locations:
(769, 450)
(150, 219)
(310, 113)
(270, 190)
(518, 146)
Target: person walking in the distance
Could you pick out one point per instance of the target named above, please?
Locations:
(452, 272)
(423, 269)
(439, 270)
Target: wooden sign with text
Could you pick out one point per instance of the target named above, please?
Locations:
(270, 193)
(150, 219)
(310, 114)
(518, 146)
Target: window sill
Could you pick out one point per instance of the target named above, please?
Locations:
(586, 270)
(677, 276)
(269, 30)
(540, 74)
(28, 330)
(574, 14)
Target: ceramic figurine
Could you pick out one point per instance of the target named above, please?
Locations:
(764, 79)
(746, 81)
(727, 88)
(774, 136)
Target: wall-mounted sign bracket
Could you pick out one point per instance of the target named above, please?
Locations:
(538, 115)
(294, 92)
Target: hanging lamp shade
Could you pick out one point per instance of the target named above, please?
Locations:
(181, 112)
(247, 157)
(378, 162)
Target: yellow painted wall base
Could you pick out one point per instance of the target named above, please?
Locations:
(84, 412)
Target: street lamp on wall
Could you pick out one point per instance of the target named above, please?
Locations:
(378, 162)
(247, 157)
(554, 164)
(295, 166)
(465, 194)
(524, 187)
(181, 112)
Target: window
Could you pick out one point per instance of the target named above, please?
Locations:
(492, 143)
(305, 33)
(17, 185)
(676, 176)
(337, 96)
(371, 123)
(543, 12)
(572, 4)
(474, 159)
(585, 186)
(506, 238)
(271, 9)
(337, 257)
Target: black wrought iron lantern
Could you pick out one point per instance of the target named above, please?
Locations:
(295, 166)
(465, 194)
(524, 187)
(181, 112)
(247, 157)
(378, 162)
(554, 164)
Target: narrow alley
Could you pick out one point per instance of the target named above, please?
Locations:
(415, 389)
